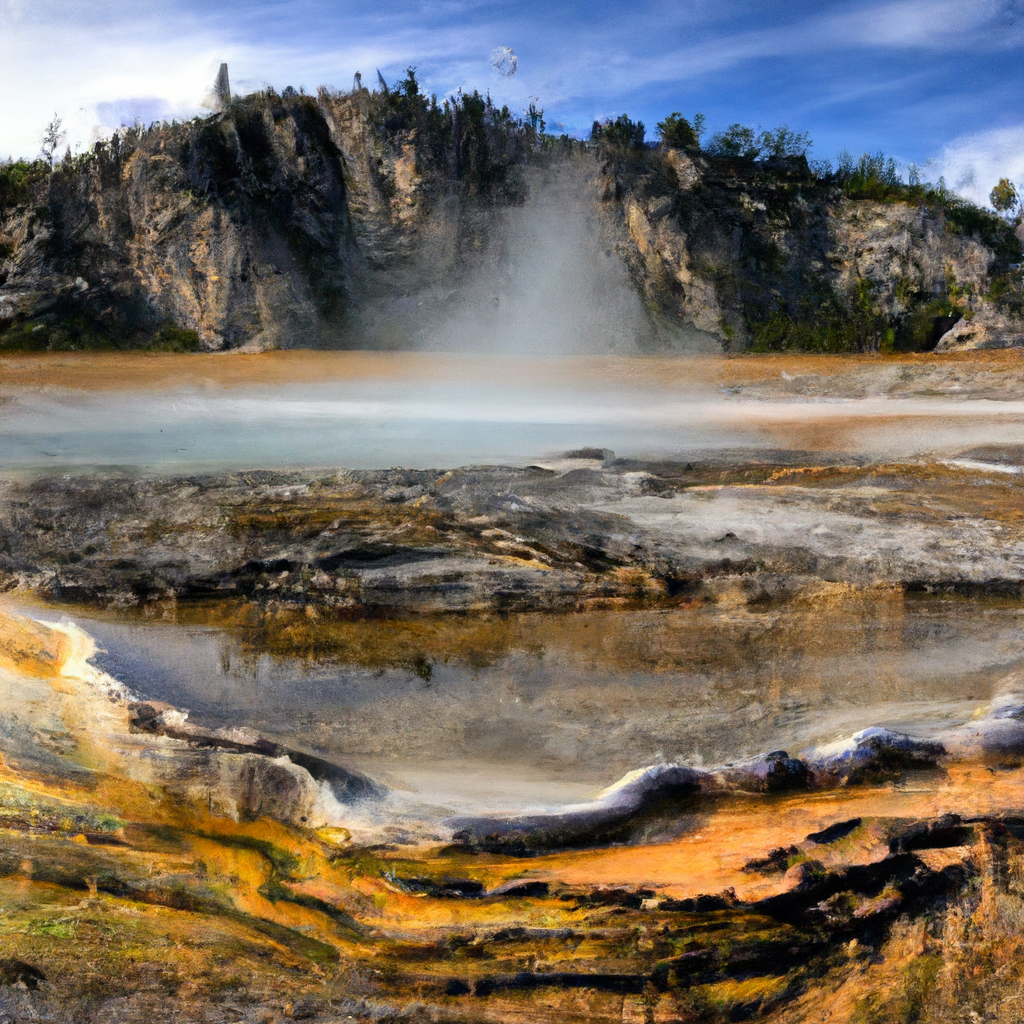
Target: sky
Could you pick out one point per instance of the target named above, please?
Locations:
(935, 82)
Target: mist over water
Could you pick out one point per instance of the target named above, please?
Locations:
(540, 345)
(434, 410)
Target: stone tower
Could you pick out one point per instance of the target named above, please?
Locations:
(222, 89)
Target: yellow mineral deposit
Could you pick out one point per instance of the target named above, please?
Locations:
(105, 865)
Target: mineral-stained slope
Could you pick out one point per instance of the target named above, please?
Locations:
(133, 886)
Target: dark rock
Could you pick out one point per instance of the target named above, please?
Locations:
(703, 904)
(163, 719)
(874, 754)
(521, 890)
(528, 980)
(839, 830)
(943, 833)
(776, 860)
(447, 888)
(630, 898)
(17, 972)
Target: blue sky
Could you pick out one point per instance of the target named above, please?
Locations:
(923, 80)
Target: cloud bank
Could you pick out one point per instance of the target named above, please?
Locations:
(972, 164)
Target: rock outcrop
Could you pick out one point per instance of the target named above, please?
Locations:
(504, 539)
(668, 792)
(772, 256)
(300, 221)
(259, 227)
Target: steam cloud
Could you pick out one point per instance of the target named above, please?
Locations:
(547, 286)
(546, 283)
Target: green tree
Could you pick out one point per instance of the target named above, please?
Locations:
(622, 132)
(676, 132)
(535, 118)
(17, 179)
(783, 142)
(735, 141)
(870, 176)
(1004, 197)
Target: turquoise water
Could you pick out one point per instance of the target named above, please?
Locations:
(384, 423)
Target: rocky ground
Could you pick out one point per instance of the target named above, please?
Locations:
(146, 862)
(587, 530)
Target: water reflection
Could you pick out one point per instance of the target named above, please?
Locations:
(537, 709)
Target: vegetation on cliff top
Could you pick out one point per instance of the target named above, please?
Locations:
(464, 138)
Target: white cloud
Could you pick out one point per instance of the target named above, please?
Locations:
(70, 66)
(97, 69)
(99, 62)
(974, 163)
(926, 26)
(911, 24)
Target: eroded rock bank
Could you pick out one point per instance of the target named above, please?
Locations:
(64, 719)
(584, 532)
(127, 894)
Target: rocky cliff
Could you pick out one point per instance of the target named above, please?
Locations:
(294, 220)
(772, 256)
(262, 226)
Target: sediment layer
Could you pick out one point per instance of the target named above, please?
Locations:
(124, 890)
(580, 532)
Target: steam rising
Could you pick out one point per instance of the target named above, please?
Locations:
(547, 286)
(546, 282)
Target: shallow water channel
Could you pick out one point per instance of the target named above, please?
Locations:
(538, 710)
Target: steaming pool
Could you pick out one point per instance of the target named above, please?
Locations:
(559, 706)
(420, 410)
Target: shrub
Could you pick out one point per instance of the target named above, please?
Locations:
(872, 176)
(171, 338)
(676, 132)
(17, 180)
(782, 142)
(621, 133)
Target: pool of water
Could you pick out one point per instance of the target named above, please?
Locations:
(433, 411)
(535, 711)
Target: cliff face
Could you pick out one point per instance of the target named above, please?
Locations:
(259, 227)
(233, 228)
(771, 257)
(342, 219)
